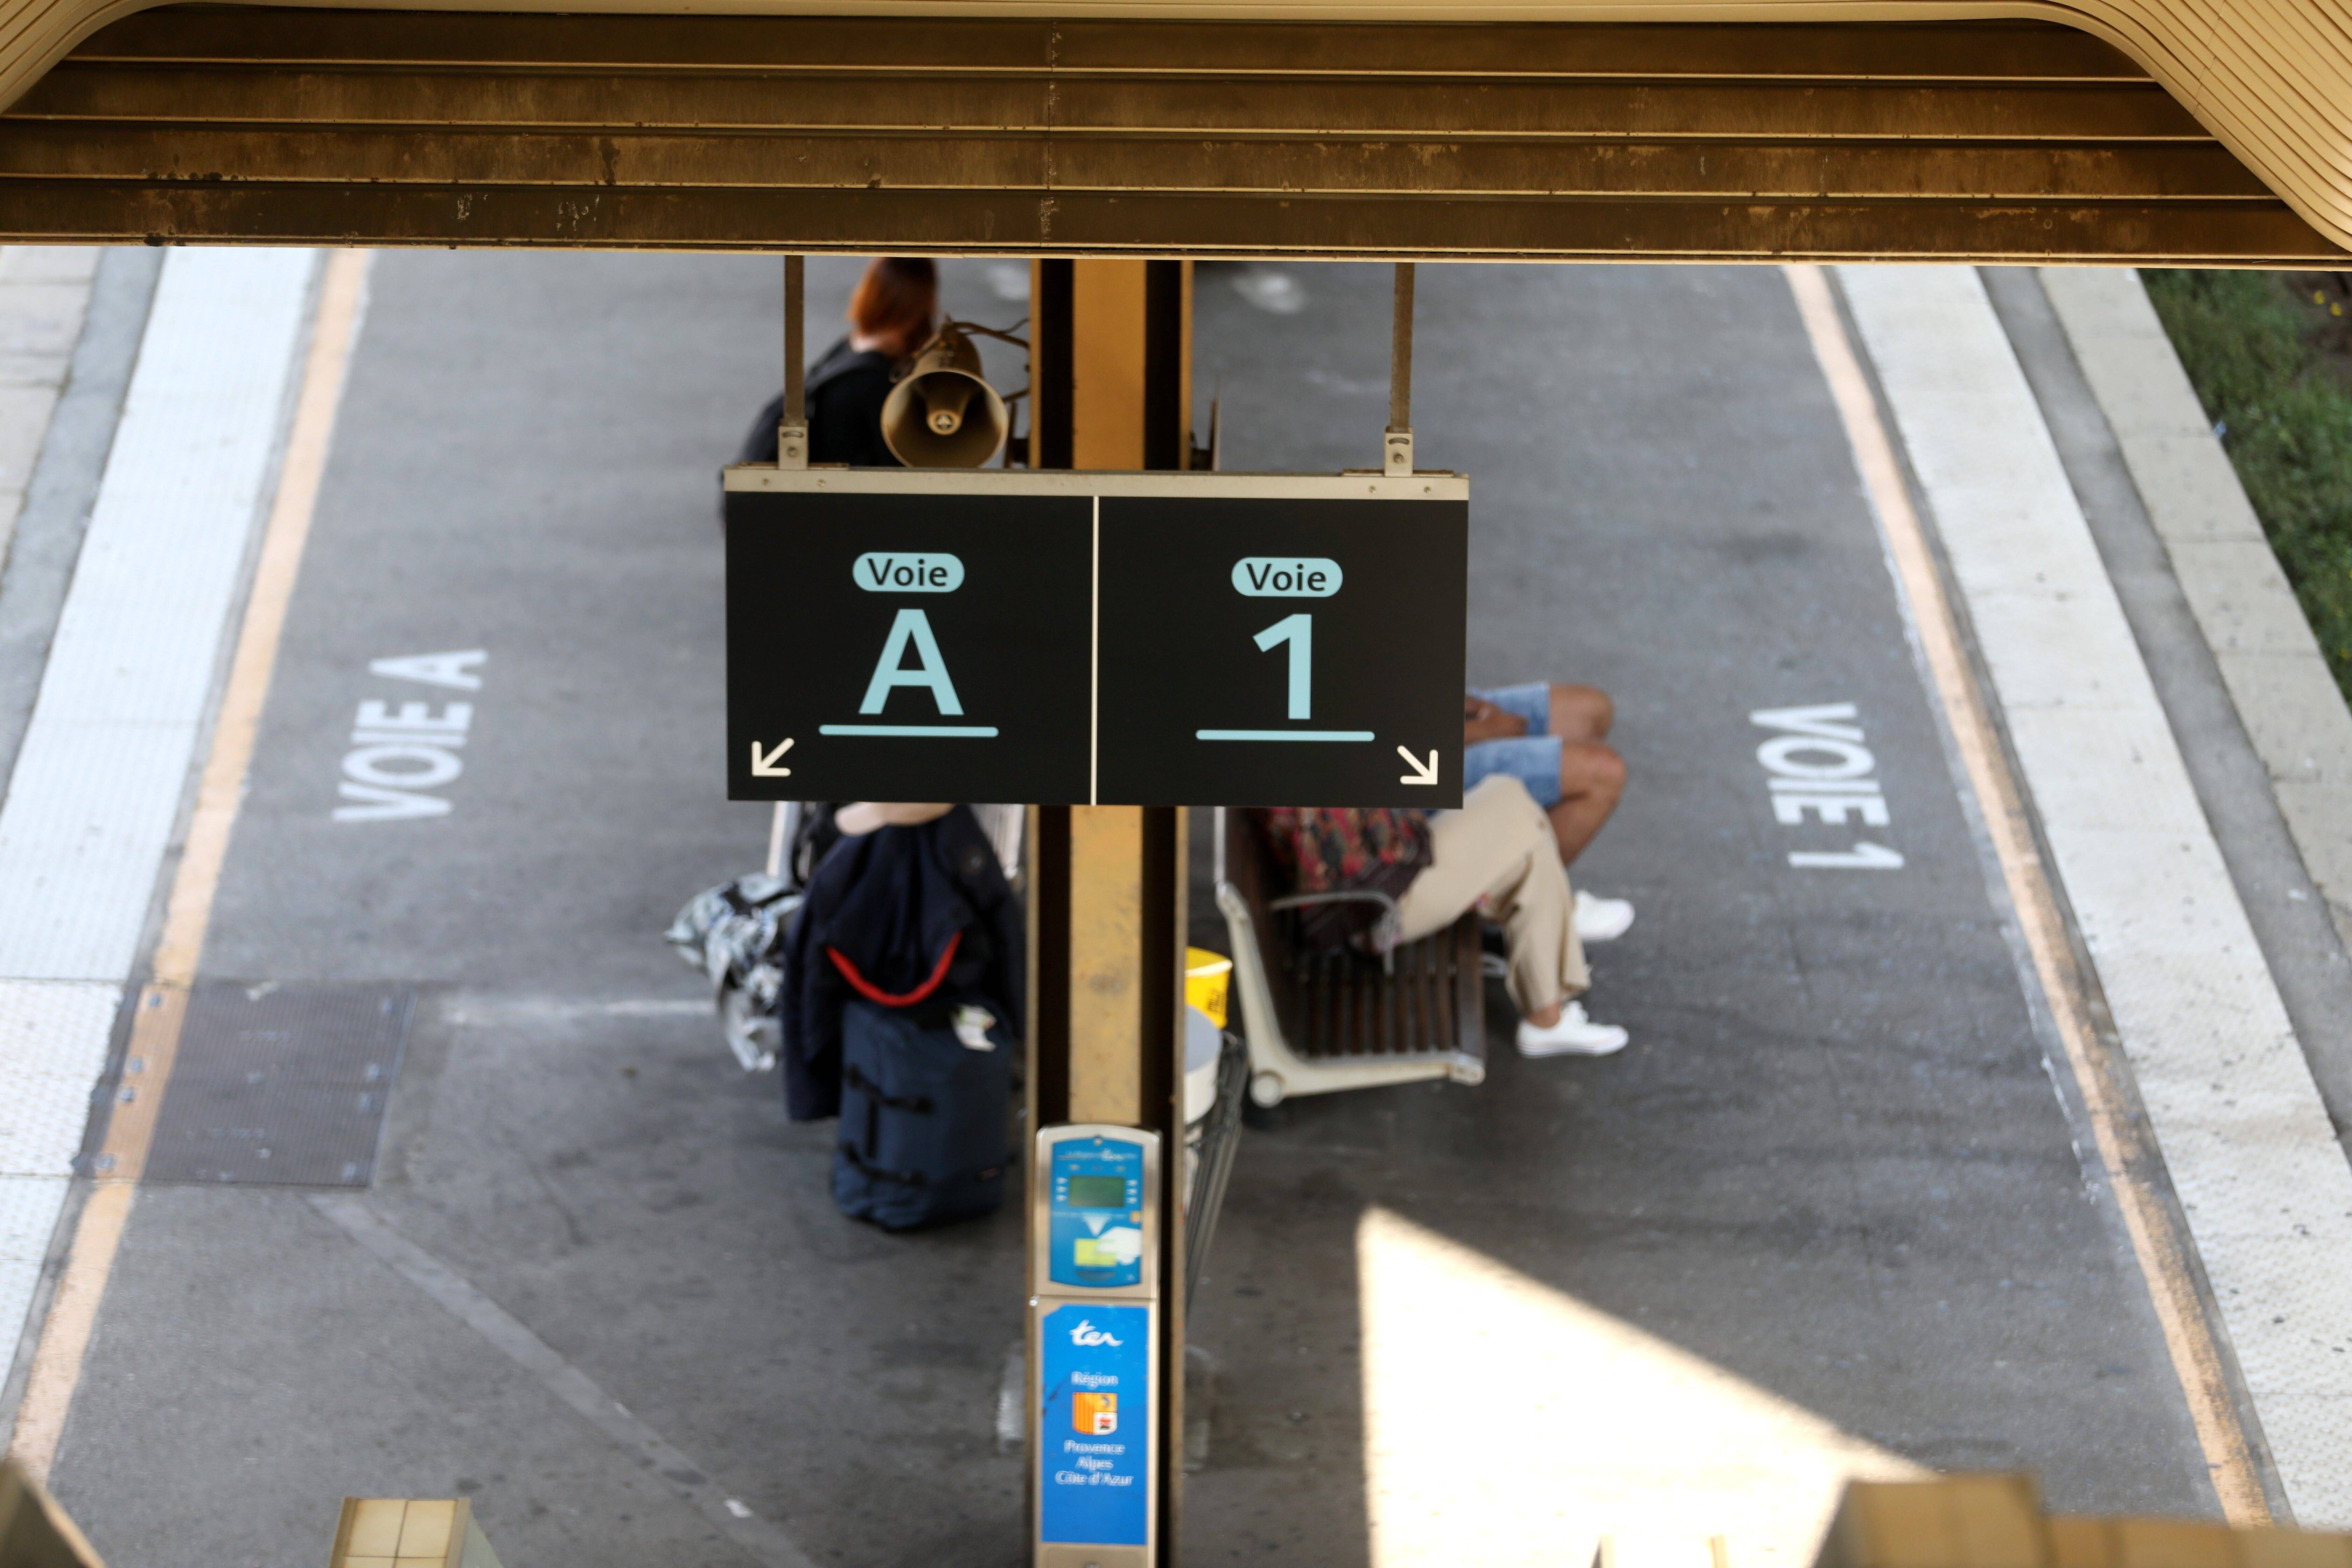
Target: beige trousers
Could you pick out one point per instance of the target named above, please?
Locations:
(1498, 853)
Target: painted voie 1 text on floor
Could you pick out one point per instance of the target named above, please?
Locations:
(1820, 772)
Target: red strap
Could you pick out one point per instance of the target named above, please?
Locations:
(873, 993)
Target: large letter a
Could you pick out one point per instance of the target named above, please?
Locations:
(912, 626)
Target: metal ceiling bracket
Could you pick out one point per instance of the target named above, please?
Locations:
(791, 431)
(1397, 449)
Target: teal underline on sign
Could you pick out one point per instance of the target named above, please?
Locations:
(1282, 734)
(983, 732)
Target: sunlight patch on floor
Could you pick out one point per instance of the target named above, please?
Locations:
(1507, 1422)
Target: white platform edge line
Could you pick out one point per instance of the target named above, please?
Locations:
(2264, 1188)
(87, 824)
(123, 699)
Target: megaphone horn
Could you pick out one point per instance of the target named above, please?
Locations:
(943, 413)
(946, 397)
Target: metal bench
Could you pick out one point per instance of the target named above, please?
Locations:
(1317, 1023)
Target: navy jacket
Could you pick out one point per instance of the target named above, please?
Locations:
(920, 918)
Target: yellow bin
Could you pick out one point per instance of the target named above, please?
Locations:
(1206, 975)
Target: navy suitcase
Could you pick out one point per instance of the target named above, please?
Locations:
(923, 1138)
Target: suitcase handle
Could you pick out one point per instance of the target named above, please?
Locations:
(904, 1178)
(919, 1103)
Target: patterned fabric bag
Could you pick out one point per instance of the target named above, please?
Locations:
(1332, 850)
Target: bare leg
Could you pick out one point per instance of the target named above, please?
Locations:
(1545, 1017)
(1591, 778)
(1582, 713)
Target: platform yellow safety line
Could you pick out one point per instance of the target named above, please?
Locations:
(2128, 1155)
(154, 1041)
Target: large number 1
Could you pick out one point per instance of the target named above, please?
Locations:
(1298, 631)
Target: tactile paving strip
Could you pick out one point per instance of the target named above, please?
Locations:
(282, 1085)
(89, 811)
(99, 780)
(2246, 1141)
(54, 1036)
(53, 1043)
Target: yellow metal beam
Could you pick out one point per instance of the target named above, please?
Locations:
(1107, 364)
(2267, 78)
(1106, 957)
(1995, 142)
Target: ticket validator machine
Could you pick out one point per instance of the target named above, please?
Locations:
(1094, 1345)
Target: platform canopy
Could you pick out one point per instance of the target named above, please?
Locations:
(2189, 132)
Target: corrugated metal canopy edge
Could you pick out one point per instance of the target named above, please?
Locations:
(1903, 128)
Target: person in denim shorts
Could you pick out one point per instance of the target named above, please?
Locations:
(1554, 739)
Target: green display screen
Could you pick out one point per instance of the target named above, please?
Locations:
(1097, 1192)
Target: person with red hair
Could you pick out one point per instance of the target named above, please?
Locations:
(891, 317)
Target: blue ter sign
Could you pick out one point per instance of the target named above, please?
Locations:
(1094, 1424)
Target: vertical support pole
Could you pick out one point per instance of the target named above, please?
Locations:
(1106, 969)
(1110, 359)
(1167, 379)
(780, 834)
(791, 431)
(1397, 453)
(1108, 350)
(1050, 284)
(1161, 888)
(792, 452)
(1160, 1082)
(1184, 365)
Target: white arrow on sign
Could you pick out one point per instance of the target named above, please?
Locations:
(1862, 857)
(765, 767)
(1423, 773)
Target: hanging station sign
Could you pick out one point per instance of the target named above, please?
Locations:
(1096, 639)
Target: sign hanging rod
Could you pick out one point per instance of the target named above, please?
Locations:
(791, 431)
(1397, 449)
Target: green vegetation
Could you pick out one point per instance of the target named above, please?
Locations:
(2267, 361)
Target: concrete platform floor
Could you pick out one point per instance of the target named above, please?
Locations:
(1827, 1208)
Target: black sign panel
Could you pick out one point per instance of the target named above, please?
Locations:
(1169, 639)
(1281, 652)
(899, 647)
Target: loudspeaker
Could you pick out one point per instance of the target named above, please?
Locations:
(943, 415)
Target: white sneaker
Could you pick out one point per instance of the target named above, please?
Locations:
(1574, 1036)
(1601, 920)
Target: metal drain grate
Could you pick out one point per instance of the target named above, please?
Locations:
(282, 1084)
